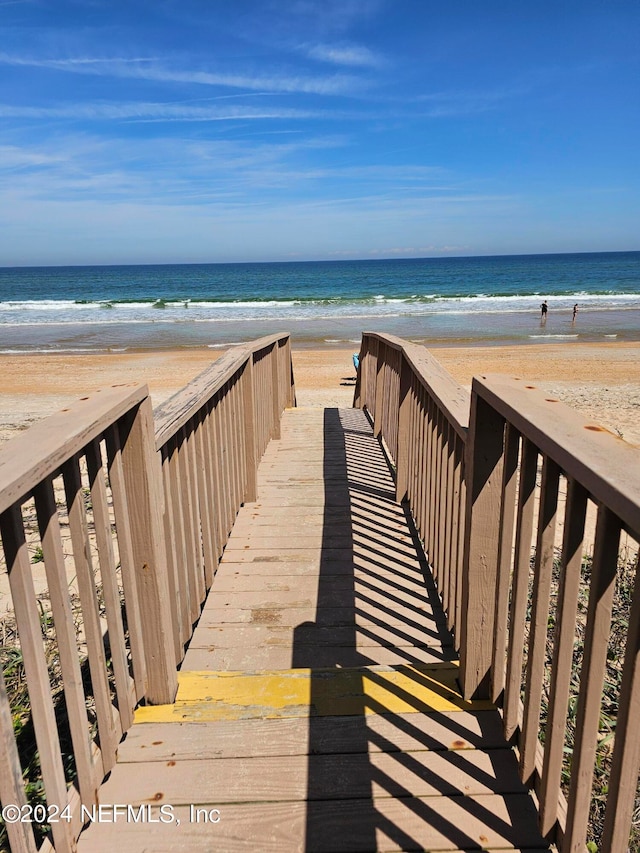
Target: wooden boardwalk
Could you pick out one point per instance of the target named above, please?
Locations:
(318, 707)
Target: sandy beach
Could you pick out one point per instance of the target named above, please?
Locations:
(602, 380)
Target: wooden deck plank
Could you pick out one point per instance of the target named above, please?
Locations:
(327, 556)
(304, 692)
(312, 636)
(446, 730)
(339, 616)
(443, 823)
(408, 603)
(316, 777)
(249, 581)
(269, 657)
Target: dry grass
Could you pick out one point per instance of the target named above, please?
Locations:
(14, 673)
(610, 696)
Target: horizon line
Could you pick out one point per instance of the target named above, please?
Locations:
(317, 260)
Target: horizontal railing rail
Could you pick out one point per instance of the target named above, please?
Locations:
(421, 414)
(525, 449)
(129, 516)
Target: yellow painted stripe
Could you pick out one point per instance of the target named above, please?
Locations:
(209, 696)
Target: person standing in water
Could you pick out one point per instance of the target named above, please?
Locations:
(575, 311)
(543, 311)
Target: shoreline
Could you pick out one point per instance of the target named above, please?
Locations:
(602, 380)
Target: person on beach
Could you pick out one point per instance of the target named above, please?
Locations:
(543, 311)
(575, 311)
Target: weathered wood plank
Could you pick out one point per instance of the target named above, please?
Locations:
(315, 777)
(278, 615)
(446, 730)
(442, 823)
(361, 636)
(302, 692)
(362, 594)
(277, 657)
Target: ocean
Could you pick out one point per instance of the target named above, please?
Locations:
(481, 300)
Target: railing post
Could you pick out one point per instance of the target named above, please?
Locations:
(404, 419)
(484, 464)
(251, 492)
(379, 401)
(141, 468)
(291, 388)
(275, 396)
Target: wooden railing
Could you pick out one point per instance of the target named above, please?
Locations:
(517, 431)
(210, 437)
(531, 466)
(421, 414)
(136, 513)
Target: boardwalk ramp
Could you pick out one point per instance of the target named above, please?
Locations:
(318, 705)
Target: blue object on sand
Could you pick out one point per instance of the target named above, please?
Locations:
(356, 360)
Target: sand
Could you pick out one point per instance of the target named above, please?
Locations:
(600, 380)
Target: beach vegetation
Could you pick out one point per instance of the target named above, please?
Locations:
(13, 670)
(625, 580)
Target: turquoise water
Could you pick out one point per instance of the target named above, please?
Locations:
(435, 300)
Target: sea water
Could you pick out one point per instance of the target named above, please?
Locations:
(327, 303)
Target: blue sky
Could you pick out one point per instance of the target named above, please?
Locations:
(142, 131)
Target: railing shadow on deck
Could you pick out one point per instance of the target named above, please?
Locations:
(376, 586)
(129, 510)
(484, 476)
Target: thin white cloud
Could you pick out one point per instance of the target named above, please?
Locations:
(70, 63)
(13, 157)
(141, 68)
(169, 171)
(469, 102)
(328, 16)
(151, 111)
(406, 251)
(356, 56)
